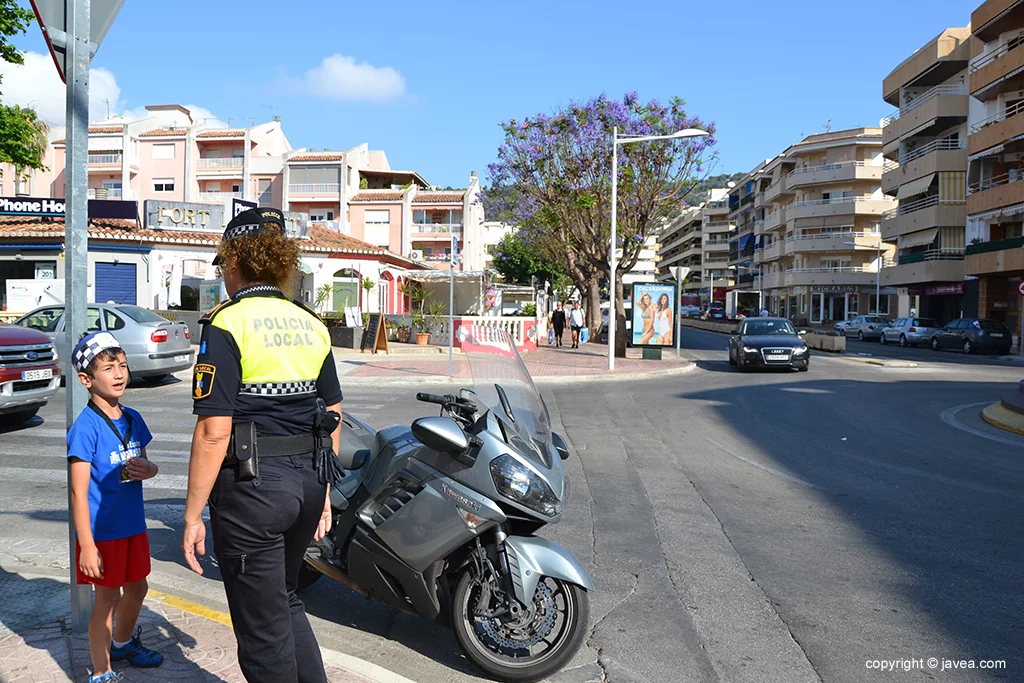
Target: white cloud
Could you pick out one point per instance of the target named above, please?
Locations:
(343, 78)
(37, 85)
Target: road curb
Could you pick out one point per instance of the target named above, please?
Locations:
(330, 657)
(998, 416)
(348, 380)
(882, 362)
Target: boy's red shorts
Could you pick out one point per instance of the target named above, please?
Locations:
(125, 560)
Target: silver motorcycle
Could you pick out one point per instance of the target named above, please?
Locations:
(439, 519)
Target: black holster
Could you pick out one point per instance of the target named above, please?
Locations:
(244, 450)
(325, 460)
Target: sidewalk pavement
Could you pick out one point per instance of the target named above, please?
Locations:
(197, 643)
(546, 364)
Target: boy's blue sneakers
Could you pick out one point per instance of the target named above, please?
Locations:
(109, 677)
(135, 653)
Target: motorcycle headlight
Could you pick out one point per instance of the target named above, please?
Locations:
(517, 482)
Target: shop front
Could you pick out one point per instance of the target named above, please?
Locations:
(942, 302)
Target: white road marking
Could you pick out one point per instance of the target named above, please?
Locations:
(53, 432)
(949, 417)
(769, 470)
(27, 475)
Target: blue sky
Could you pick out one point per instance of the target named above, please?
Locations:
(429, 82)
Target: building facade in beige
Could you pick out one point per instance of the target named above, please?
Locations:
(698, 239)
(994, 262)
(818, 249)
(925, 146)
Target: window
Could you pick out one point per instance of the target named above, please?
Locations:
(212, 187)
(377, 228)
(92, 319)
(378, 217)
(237, 153)
(210, 154)
(163, 151)
(44, 320)
(314, 175)
(163, 185)
(236, 188)
(113, 322)
(264, 190)
(141, 315)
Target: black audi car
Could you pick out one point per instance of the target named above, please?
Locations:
(768, 343)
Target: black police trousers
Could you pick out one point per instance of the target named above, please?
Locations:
(261, 529)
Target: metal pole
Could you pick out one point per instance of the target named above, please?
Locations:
(679, 307)
(76, 252)
(611, 256)
(878, 281)
(451, 318)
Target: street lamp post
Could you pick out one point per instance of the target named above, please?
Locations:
(616, 141)
(878, 275)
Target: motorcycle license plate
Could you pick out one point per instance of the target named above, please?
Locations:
(32, 375)
(181, 359)
(777, 356)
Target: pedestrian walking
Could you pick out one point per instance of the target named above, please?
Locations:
(577, 320)
(267, 395)
(558, 323)
(765, 313)
(107, 454)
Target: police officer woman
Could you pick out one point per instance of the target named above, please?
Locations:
(263, 363)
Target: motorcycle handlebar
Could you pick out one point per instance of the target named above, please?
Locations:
(432, 398)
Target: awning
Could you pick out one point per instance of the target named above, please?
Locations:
(986, 153)
(305, 269)
(443, 275)
(918, 239)
(915, 187)
(1014, 210)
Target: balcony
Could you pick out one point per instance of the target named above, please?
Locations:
(437, 228)
(944, 104)
(799, 244)
(219, 164)
(839, 206)
(996, 129)
(718, 226)
(774, 219)
(773, 251)
(846, 276)
(219, 196)
(318, 188)
(999, 256)
(773, 280)
(842, 172)
(777, 189)
(105, 159)
(936, 156)
(333, 226)
(716, 245)
(935, 265)
(922, 214)
(996, 192)
(985, 20)
(112, 192)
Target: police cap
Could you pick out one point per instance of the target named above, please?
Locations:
(251, 222)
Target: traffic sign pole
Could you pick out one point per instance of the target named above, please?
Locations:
(1020, 314)
(76, 250)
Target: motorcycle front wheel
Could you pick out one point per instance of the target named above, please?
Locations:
(536, 644)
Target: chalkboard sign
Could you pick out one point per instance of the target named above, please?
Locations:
(375, 336)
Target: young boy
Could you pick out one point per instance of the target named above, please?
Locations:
(107, 454)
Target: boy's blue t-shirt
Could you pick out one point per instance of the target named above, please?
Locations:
(115, 509)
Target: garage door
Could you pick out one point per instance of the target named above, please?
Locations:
(115, 282)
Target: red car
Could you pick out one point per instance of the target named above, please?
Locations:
(29, 374)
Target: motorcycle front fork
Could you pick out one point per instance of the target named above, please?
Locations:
(502, 575)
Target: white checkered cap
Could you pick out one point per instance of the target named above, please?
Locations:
(90, 347)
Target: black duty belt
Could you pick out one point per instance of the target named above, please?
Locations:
(279, 447)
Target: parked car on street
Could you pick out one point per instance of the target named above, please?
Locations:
(974, 334)
(29, 374)
(155, 346)
(865, 327)
(768, 343)
(715, 311)
(909, 331)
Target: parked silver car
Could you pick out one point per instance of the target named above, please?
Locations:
(155, 346)
(910, 331)
(864, 327)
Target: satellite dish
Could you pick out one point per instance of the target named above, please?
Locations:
(730, 185)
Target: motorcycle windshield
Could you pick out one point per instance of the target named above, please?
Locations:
(502, 383)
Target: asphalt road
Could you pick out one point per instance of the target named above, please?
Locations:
(739, 527)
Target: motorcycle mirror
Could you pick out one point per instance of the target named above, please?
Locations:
(561, 445)
(442, 434)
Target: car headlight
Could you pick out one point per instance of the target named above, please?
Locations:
(750, 349)
(800, 350)
(517, 482)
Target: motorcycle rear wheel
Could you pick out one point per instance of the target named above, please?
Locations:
(521, 665)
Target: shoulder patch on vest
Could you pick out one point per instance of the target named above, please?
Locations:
(209, 315)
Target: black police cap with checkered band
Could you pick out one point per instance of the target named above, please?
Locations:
(252, 221)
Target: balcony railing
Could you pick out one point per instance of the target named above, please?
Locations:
(218, 196)
(717, 224)
(334, 226)
(112, 193)
(998, 117)
(105, 159)
(220, 162)
(933, 146)
(994, 55)
(833, 235)
(828, 167)
(932, 255)
(996, 245)
(834, 269)
(937, 91)
(836, 200)
(448, 228)
(318, 188)
(1014, 176)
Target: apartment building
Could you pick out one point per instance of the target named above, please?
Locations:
(743, 214)
(925, 146)
(699, 239)
(994, 261)
(817, 251)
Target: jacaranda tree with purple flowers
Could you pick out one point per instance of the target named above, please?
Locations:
(552, 180)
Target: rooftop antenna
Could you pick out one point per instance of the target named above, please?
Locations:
(828, 126)
(107, 100)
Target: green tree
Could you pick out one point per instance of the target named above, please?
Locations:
(22, 134)
(517, 259)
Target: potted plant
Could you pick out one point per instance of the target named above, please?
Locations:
(419, 321)
(404, 331)
(392, 328)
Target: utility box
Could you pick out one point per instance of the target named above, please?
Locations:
(652, 353)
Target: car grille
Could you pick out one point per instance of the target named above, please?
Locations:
(766, 353)
(26, 356)
(30, 386)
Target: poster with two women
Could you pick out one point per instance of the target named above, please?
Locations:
(653, 324)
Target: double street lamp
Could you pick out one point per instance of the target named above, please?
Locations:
(616, 141)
